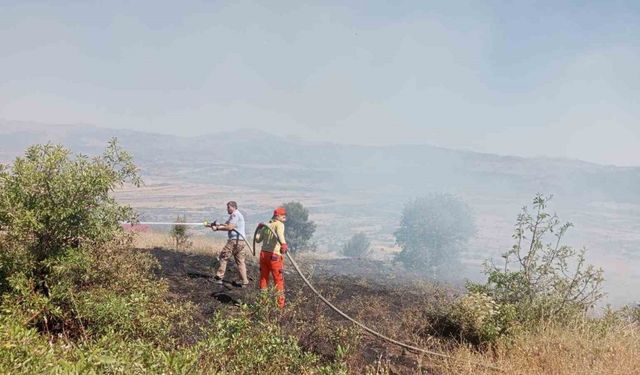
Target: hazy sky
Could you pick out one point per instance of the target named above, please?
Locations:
(539, 79)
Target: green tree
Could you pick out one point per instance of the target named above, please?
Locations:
(541, 276)
(358, 246)
(298, 229)
(433, 232)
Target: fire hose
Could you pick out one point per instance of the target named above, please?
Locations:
(359, 324)
(261, 226)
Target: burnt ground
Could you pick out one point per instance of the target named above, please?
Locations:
(385, 301)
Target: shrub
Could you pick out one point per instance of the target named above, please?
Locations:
(542, 277)
(358, 246)
(51, 203)
(63, 238)
(181, 234)
(481, 319)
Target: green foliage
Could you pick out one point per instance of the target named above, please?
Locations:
(433, 232)
(181, 234)
(51, 202)
(143, 315)
(474, 318)
(358, 246)
(481, 319)
(237, 344)
(298, 228)
(245, 345)
(541, 277)
(62, 238)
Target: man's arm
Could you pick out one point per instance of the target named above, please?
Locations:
(229, 225)
(226, 227)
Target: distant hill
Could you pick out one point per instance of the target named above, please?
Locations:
(261, 159)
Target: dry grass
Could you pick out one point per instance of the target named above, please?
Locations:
(586, 348)
(198, 244)
(590, 346)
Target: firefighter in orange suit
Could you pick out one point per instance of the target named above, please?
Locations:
(272, 255)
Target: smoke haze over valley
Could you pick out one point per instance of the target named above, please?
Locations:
(350, 188)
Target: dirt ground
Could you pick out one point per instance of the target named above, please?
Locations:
(383, 302)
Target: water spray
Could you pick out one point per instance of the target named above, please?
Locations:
(205, 224)
(132, 223)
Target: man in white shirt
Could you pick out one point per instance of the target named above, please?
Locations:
(235, 245)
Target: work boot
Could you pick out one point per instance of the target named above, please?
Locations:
(239, 284)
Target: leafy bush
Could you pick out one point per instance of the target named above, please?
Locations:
(433, 232)
(474, 318)
(51, 203)
(481, 319)
(67, 267)
(358, 246)
(298, 228)
(541, 277)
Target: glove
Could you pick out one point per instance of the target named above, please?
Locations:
(214, 226)
(284, 248)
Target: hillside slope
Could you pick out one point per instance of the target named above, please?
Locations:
(261, 159)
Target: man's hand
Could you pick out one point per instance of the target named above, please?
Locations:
(214, 226)
(284, 248)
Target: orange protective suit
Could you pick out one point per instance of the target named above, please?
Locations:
(271, 263)
(271, 258)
